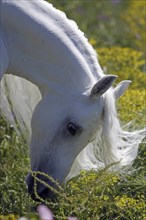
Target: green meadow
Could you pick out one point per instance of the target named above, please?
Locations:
(116, 29)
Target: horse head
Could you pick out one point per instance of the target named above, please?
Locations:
(62, 127)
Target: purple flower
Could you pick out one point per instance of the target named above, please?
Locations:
(45, 213)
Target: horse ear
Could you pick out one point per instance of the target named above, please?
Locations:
(121, 88)
(102, 86)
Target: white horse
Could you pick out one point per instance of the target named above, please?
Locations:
(71, 102)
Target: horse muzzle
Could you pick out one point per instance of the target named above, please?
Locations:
(41, 188)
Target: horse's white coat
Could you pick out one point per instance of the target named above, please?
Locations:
(41, 45)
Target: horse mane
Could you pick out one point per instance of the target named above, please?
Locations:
(112, 143)
(18, 100)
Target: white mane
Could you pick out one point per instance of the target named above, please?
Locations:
(112, 145)
(18, 100)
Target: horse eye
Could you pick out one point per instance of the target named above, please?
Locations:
(72, 129)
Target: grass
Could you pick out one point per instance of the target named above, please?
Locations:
(92, 195)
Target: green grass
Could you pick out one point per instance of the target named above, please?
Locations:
(101, 195)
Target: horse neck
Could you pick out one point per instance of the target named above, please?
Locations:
(48, 52)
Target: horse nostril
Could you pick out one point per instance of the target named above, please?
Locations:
(48, 194)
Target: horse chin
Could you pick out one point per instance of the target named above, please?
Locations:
(42, 192)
